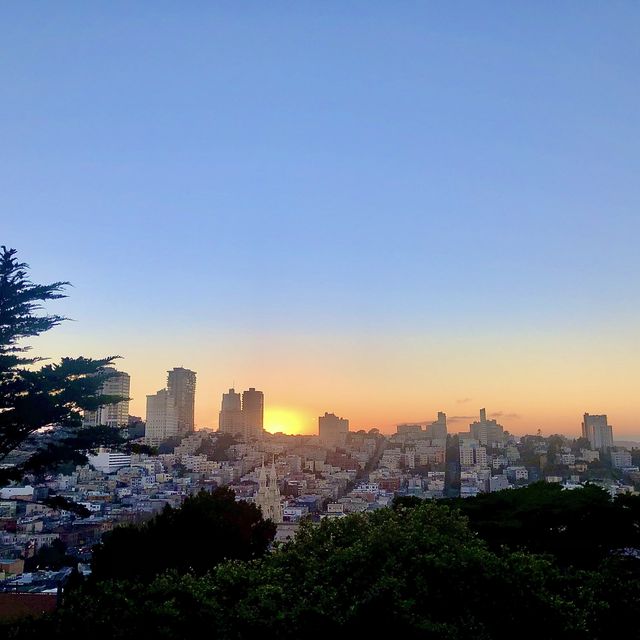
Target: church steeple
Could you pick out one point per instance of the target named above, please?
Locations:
(262, 477)
(268, 496)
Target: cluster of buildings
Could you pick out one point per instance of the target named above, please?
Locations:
(290, 478)
(332, 431)
(491, 459)
(242, 415)
(170, 411)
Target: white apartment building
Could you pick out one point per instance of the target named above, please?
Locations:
(109, 461)
(162, 420)
(597, 430)
(588, 455)
(620, 459)
(517, 473)
(111, 415)
(566, 458)
(472, 454)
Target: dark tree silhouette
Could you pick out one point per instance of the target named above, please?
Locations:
(417, 571)
(207, 529)
(52, 396)
(580, 528)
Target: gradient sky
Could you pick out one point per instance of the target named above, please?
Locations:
(379, 209)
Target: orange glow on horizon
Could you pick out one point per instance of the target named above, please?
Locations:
(545, 381)
(287, 420)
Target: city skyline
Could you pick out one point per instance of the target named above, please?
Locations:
(377, 213)
(319, 319)
(276, 419)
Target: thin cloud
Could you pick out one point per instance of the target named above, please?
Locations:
(463, 400)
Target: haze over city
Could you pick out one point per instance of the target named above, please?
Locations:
(375, 213)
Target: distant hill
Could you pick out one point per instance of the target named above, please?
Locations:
(627, 444)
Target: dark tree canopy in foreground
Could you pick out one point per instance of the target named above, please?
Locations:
(54, 395)
(579, 527)
(207, 529)
(410, 572)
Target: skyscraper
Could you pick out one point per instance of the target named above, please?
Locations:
(597, 430)
(253, 413)
(162, 418)
(333, 430)
(242, 416)
(438, 429)
(112, 415)
(486, 432)
(230, 419)
(181, 384)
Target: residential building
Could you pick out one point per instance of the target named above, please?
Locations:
(162, 418)
(437, 430)
(109, 461)
(588, 455)
(333, 430)
(620, 459)
(517, 473)
(472, 454)
(111, 415)
(253, 413)
(409, 429)
(181, 384)
(597, 430)
(486, 432)
(231, 419)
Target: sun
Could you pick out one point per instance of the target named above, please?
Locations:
(285, 420)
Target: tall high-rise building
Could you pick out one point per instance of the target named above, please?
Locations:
(597, 430)
(242, 415)
(181, 384)
(408, 429)
(162, 418)
(333, 430)
(438, 429)
(253, 413)
(112, 415)
(486, 432)
(472, 454)
(231, 419)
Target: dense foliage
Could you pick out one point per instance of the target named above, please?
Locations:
(207, 529)
(50, 556)
(537, 562)
(415, 571)
(579, 528)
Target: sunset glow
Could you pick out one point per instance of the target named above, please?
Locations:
(381, 249)
(284, 420)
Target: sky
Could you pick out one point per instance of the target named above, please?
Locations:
(377, 209)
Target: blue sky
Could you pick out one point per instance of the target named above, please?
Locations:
(250, 170)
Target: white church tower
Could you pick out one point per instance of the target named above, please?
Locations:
(268, 496)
